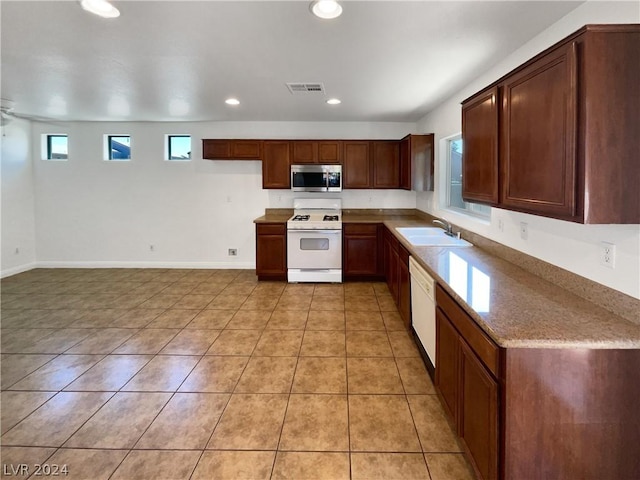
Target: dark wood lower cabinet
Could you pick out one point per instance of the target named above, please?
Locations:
(478, 412)
(447, 346)
(271, 251)
(404, 287)
(571, 413)
(467, 389)
(537, 413)
(362, 251)
(396, 273)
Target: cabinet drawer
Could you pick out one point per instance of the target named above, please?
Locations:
(360, 228)
(482, 345)
(271, 228)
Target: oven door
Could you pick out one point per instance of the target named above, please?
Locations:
(314, 249)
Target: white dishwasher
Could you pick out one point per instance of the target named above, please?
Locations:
(423, 308)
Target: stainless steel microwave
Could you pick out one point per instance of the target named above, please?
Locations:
(316, 178)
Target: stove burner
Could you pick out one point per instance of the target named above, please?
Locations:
(300, 218)
(330, 218)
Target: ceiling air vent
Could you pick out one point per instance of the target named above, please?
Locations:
(305, 88)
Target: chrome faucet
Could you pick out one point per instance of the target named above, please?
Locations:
(448, 228)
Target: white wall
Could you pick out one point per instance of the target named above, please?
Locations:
(18, 222)
(91, 212)
(570, 246)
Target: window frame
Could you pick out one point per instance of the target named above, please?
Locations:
(167, 144)
(481, 212)
(108, 150)
(46, 147)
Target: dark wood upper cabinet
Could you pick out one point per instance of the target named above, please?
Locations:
(538, 135)
(216, 149)
(386, 163)
(567, 131)
(315, 151)
(329, 151)
(356, 164)
(304, 152)
(480, 149)
(417, 162)
(276, 172)
(231, 149)
(246, 149)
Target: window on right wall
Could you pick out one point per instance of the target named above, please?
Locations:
(454, 199)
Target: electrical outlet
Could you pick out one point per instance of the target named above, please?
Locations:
(501, 225)
(233, 252)
(228, 198)
(608, 254)
(152, 248)
(524, 230)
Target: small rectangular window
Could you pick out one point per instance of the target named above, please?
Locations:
(119, 147)
(56, 147)
(454, 182)
(178, 147)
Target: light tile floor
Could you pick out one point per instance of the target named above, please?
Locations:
(200, 374)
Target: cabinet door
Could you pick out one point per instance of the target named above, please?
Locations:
(246, 149)
(386, 256)
(362, 250)
(271, 250)
(404, 287)
(480, 151)
(405, 163)
(303, 151)
(357, 165)
(447, 348)
(417, 162)
(478, 413)
(360, 255)
(386, 164)
(538, 138)
(329, 151)
(216, 149)
(275, 165)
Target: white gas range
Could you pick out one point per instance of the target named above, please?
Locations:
(314, 241)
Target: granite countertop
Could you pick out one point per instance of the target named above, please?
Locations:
(280, 215)
(514, 307)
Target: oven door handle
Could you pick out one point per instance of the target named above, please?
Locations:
(317, 230)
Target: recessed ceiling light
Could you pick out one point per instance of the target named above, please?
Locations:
(101, 8)
(334, 101)
(232, 101)
(325, 8)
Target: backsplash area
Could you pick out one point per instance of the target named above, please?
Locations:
(350, 198)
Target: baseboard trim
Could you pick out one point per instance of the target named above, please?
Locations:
(189, 265)
(19, 269)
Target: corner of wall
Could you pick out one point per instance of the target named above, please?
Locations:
(18, 252)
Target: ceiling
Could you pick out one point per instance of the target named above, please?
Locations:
(179, 60)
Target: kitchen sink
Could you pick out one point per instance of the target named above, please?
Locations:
(430, 237)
